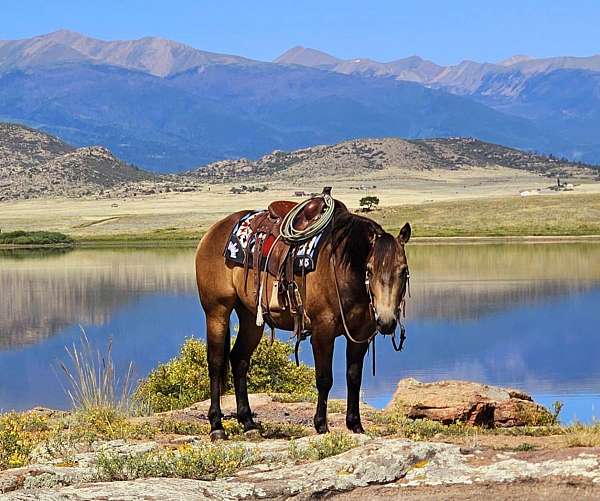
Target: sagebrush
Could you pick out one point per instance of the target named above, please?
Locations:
(184, 379)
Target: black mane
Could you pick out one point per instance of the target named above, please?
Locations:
(352, 236)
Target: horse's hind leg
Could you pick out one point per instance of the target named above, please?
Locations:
(245, 344)
(217, 340)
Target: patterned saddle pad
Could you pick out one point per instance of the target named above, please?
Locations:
(242, 241)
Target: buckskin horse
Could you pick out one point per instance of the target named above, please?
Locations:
(356, 289)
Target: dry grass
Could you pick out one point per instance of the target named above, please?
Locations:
(563, 214)
(423, 196)
(92, 381)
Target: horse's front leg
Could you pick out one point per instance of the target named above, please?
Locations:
(355, 355)
(322, 347)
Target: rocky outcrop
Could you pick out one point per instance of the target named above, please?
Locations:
(400, 463)
(467, 402)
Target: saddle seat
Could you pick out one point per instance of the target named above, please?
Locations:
(309, 214)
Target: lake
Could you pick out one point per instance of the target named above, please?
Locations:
(525, 315)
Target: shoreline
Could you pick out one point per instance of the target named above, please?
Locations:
(141, 242)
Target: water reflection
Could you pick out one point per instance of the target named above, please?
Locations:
(524, 315)
(45, 292)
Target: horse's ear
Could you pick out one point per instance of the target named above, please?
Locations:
(404, 235)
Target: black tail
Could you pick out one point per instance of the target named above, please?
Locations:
(226, 351)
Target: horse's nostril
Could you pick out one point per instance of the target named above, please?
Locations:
(386, 327)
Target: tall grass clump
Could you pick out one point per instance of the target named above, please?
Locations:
(92, 381)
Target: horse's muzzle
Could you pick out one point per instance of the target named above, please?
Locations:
(386, 326)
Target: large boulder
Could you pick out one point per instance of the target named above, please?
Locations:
(467, 402)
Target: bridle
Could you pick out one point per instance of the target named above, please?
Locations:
(401, 310)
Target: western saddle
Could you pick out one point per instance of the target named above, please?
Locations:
(279, 257)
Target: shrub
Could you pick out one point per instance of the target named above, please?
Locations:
(207, 461)
(581, 435)
(178, 383)
(272, 371)
(394, 422)
(284, 430)
(19, 434)
(104, 423)
(331, 444)
(184, 379)
(35, 238)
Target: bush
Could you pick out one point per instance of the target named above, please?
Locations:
(331, 444)
(184, 380)
(35, 238)
(205, 462)
(19, 434)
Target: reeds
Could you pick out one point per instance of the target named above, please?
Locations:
(92, 381)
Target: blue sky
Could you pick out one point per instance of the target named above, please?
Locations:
(443, 31)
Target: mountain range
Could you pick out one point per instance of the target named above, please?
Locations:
(168, 107)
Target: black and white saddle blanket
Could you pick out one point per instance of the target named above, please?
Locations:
(242, 240)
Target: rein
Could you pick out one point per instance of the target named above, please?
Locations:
(339, 298)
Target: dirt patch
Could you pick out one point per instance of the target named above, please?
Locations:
(549, 489)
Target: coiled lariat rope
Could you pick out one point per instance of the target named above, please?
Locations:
(291, 235)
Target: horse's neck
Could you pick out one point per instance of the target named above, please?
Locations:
(353, 287)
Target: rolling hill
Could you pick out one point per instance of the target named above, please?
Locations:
(34, 164)
(387, 155)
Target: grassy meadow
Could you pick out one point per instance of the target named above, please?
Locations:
(182, 222)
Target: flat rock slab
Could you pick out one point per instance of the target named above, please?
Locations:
(467, 402)
(398, 464)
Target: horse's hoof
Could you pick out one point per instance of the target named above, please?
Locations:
(217, 435)
(321, 430)
(252, 434)
(355, 426)
(356, 429)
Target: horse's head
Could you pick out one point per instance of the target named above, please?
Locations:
(387, 278)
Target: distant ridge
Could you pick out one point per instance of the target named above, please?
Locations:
(307, 57)
(34, 164)
(364, 156)
(154, 55)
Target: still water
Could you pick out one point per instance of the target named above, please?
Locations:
(520, 315)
